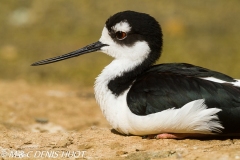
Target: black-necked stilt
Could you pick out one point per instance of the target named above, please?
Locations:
(168, 100)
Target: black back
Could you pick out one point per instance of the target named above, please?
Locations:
(173, 85)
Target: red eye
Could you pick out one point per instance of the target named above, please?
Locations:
(121, 35)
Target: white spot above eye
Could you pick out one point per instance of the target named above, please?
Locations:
(122, 26)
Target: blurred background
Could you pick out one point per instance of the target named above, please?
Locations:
(204, 33)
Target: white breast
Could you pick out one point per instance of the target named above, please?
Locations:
(113, 108)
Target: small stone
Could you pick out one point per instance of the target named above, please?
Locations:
(195, 147)
(137, 150)
(119, 153)
(85, 146)
(53, 143)
(41, 120)
(63, 143)
(93, 128)
(28, 142)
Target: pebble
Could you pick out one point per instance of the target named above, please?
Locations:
(41, 120)
(119, 153)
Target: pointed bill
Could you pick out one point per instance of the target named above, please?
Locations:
(89, 48)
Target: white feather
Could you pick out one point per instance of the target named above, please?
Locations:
(213, 79)
(194, 117)
(237, 83)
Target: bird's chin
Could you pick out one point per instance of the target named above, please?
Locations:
(106, 50)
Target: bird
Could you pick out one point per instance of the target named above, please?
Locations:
(168, 100)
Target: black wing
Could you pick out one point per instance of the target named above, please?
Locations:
(174, 85)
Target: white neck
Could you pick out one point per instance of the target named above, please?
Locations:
(104, 96)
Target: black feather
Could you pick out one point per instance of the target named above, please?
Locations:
(174, 85)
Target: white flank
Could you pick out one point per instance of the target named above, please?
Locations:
(194, 117)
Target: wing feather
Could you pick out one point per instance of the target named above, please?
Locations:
(163, 87)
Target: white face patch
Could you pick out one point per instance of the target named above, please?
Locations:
(122, 26)
(139, 50)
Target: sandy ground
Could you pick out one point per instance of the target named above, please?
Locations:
(63, 122)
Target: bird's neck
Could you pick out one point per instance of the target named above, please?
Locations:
(121, 73)
(129, 72)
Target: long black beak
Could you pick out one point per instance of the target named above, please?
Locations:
(89, 48)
